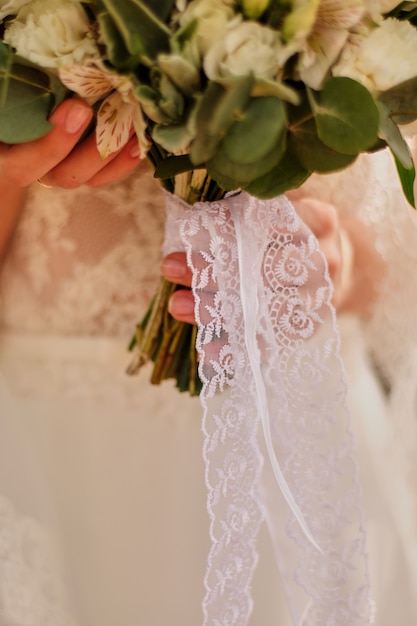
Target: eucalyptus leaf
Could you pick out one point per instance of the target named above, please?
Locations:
(288, 174)
(265, 87)
(23, 117)
(6, 57)
(393, 137)
(161, 8)
(116, 49)
(217, 109)
(312, 153)
(173, 165)
(401, 101)
(173, 137)
(346, 115)
(261, 127)
(29, 95)
(407, 178)
(143, 34)
(244, 173)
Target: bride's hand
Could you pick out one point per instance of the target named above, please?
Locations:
(57, 159)
(334, 241)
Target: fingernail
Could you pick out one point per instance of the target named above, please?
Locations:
(134, 150)
(76, 118)
(172, 268)
(181, 303)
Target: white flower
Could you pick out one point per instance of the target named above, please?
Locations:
(52, 33)
(383, 59)
(11, 7)
(246, 47)
(119, 111)
(213, 18)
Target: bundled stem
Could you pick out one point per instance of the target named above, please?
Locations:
(160, 338)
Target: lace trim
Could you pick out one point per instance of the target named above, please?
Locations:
(31, 589)
(269, 356)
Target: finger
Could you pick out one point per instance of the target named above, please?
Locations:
(123, 163)
(330, 247)
(319, 216)
(181, 306)
(23, 164)
(174, 268)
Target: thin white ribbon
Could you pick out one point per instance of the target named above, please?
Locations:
(269, 361)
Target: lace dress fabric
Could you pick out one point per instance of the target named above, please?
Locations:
(119, 472)
(120, 461)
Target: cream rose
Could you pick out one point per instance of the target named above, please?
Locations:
(383, 59)
(213, 18)
(248, 47)
(52, 33)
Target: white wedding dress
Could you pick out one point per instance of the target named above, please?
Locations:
(102, 497)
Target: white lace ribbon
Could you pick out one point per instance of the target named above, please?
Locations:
(277, 440)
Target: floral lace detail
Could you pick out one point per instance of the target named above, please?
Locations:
(273, 390)
(31, 588)
(84, 261)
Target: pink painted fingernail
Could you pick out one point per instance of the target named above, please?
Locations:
(134, 150)
(77, 116)
(172, 268)
(181, 303)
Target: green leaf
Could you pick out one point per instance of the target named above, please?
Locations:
(222, 169)
(288, 174)
(312, 153)
(29, 95)
(173, 138)
(220, 106)
(161, 8)
(260, 129)
(407, 178)
(23, 117)
(393, 137)
(143, 34)
(401, 101)
(6, 57)
(173, 165)
(346, 115)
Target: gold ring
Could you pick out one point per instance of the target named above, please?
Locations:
(42, 184)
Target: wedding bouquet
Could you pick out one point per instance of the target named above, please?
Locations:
(223, 95)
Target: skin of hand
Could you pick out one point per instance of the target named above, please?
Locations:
(58, 159)
(355, 267)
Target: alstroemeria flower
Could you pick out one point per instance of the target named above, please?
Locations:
(320, 36)
(11, 7)
(119, 111)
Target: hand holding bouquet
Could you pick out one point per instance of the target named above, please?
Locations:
(222, 95)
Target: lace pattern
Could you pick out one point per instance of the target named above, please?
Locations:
(83, 263)
(32, 592)
(273, 397)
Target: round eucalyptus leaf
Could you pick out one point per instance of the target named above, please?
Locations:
(312, 153)
(288, 174)
(346, 115)
(24, 114)
(217, 109)
(257, 131)
(244, 173)
(173, 138)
